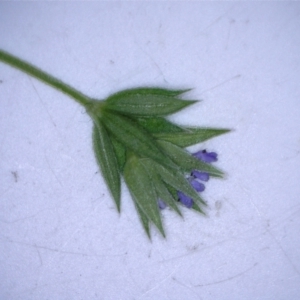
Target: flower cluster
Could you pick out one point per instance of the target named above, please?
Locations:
(196, 179)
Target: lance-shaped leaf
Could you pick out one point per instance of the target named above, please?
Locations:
(177, 181)
(144, 220)
(197, 208)
(107, 161)
(120, 153)
(164, 194)
(158, 125)
(134, 138)
(161, 188)
(186, 161)
(141, 188)
(190, 136)
(147, 102)
(149, 90)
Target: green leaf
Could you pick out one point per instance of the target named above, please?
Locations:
(141, 188)
(144, 220)
(107, 161)
(134, 137)
(147, 102)
(158, 125)
(186, 161)
(161, 188)
(197, 208)
(190, 136)
(164, 194)
(177, 181)
(147, 91)
(120, 153)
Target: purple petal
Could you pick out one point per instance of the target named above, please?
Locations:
(204, 176)
(198, 186)
(161, 204)
(207, 157)
(185, 200)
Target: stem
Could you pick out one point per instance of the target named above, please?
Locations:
(45, 77)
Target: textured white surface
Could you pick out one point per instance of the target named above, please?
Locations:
(60, 235)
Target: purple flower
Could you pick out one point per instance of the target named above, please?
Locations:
(198, 186)
(205, 156)
(185, 200)
(203, 176)
(161, 204)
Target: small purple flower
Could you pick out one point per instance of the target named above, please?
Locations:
(161, 204)
(198, 186)
(205, 156)
(203, 176)
(185, 200)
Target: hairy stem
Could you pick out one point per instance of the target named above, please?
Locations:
(45, 77)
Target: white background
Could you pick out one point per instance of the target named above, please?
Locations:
(60, 235)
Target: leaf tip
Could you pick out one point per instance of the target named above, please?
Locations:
(183, 91)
